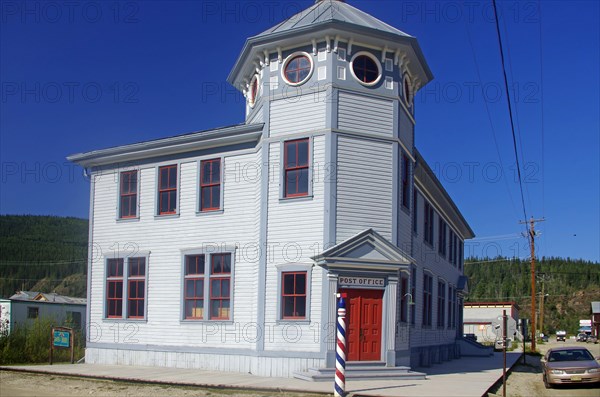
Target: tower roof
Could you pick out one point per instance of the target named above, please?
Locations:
(333, 18)
(325, 11)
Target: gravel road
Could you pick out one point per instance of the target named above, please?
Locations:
(526, 380)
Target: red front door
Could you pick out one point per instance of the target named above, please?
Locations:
(364, 324)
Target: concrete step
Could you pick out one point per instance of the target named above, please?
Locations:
(363, 371)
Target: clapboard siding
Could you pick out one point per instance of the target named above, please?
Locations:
(295, 233)
(302, 114)
(361, 113)
(165, 238)
(256, 116)
(364, 187)
(406, 129)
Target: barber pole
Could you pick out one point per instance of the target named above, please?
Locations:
(340, 362)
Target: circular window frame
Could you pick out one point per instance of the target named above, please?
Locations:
(289, 59)
(377, 63)
(252, 98)
(407, 90)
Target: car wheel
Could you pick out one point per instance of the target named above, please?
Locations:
(546, 384)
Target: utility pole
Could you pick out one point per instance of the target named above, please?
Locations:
(542, 299)
(532, 247)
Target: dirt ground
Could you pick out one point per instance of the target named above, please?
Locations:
(525, 380)
(19, 384)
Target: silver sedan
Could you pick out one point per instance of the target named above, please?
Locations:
(569, 365)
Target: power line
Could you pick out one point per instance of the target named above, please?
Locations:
(510, 112)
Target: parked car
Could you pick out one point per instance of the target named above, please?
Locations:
(568, 365)
(561, 336)
(581, 337)
(592, 339)
(472, 337)
(499, 346)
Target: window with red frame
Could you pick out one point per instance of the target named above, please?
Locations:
(128, 194)
(136, 287)
(405, 182)
(365, 69)
(167, 190)
(220, 287)
(297, 69)
(296, 168)
(293, 295)
(194, 287)
(210, 185)
(114, 288)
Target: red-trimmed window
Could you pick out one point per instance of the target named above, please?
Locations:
(293, 295)
(220, 287)
(167, 190)
(114, 288)
(365, 69)
(427, 299)
(297, 69)
(296, 168)
(194, 287)
(128, 194)
(428, 223)
(441, 307)
(210, 185)
(405, 181)
(136, 287)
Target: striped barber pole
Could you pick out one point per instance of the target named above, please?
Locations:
(340, 350)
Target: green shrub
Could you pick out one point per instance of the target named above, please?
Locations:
(31, 344)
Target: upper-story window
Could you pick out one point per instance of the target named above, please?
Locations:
(296, 157)
(253, 90)
(405, 181)
(442, 238)
(167, 190)
(428, 223)
(128, 194)
(461, 254)
(427, 299)
(210, 185)
(365, 68)
(407, 91)
(415, 224)
(297, 68)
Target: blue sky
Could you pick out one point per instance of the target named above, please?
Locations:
(82, 76)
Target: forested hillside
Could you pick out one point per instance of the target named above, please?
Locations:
(569, 285)
(43, 253)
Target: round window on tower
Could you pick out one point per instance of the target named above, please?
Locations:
(297, 68)
(407, 91)
(253, 90)
(365, 68)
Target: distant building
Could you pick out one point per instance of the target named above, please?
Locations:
(24, 307)
(596, 319)
(484, 319)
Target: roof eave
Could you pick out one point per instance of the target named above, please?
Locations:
(273, 38)
(172, 145)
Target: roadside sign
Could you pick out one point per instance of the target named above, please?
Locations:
(61, 338)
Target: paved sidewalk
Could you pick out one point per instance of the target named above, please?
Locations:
(468, 376)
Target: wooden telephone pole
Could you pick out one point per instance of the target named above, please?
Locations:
(532, 247)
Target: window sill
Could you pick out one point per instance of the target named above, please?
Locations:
(127, 220)
(300, 321)
(211, 212)
(190, 321)
(125, 320)
(167, 216)
(297, 198)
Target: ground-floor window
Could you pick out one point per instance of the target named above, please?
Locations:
(441, 307)
(126, 288)
(293, 295)
(207, 280)
(427, 299)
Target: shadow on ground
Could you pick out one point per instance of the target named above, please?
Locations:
(470, 364)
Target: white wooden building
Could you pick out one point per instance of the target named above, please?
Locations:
(224, 249)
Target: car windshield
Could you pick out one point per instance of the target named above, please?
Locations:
(570, 355)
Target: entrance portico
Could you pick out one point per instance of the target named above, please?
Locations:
(366, 267)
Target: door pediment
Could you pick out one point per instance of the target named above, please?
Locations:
(367, 250)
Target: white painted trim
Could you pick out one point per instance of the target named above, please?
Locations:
(374, 59)
(291, 57)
